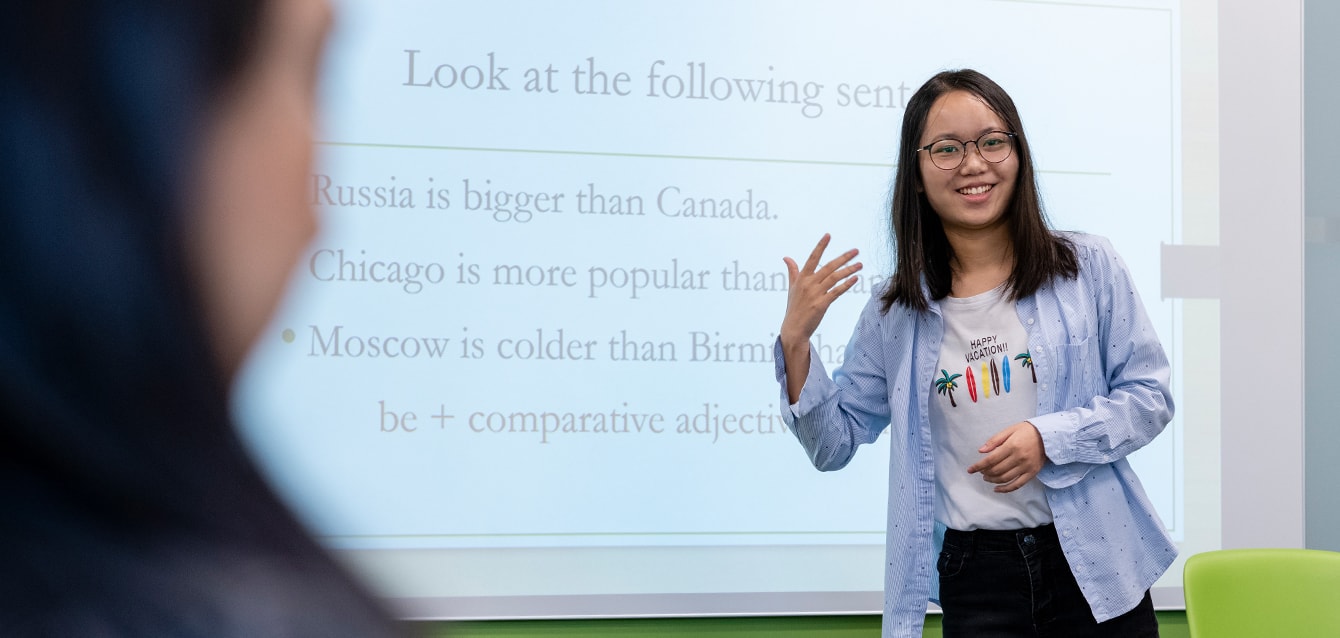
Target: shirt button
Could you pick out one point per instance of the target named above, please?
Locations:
(1066, 533)
(1043, 387)
(1030, 322)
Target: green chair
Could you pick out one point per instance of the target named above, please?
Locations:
(1293, 593)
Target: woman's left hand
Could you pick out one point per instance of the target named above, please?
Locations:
(1013, 457)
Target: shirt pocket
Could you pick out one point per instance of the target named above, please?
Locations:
(1079, 373)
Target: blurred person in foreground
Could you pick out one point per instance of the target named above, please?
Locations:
(153, 156)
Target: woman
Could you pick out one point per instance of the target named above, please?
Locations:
(1016, 370)
(152, 166)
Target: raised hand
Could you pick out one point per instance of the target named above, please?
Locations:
(813, 289)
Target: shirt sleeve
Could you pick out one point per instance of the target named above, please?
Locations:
(833, 416)
(1130, 399)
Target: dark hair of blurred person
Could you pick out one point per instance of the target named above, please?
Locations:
(152, 159)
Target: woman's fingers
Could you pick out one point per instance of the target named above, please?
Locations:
(845, 272)
(827, 284)
(832, 266)
(814, 288)
(792, 270)
(817, 253)
(843, 287)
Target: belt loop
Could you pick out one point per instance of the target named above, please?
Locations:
(969, 544)
(964, 541)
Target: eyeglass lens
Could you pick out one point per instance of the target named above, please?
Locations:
(994, 147)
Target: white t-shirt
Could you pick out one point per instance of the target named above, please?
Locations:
(986, 383)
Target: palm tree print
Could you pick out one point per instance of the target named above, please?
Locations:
(1026, 360)
(946, 385)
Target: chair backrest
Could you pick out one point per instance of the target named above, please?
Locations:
(1235, 593)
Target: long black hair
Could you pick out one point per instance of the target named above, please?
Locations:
(922, 250)
(132, 507)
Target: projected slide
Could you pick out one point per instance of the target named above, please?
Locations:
(541, 309)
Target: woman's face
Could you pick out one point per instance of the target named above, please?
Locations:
(254, 219)
(972, 198)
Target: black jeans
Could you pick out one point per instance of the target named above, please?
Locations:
(1018, 583)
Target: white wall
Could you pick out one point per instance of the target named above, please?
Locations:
(1261, 239)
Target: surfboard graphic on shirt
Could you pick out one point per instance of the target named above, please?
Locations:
(985, 377)
(971, 383)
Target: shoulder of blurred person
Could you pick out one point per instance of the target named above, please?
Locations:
(134, 509)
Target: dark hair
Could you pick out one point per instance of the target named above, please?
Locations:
(132, 507)
(922, 252)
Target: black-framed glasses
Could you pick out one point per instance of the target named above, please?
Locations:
(948, 154)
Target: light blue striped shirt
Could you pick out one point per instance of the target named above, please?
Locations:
(1102, 394)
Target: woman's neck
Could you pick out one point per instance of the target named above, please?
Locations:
(981, 261)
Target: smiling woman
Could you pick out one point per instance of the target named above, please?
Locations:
(989, 489)
(969, 189)
(153, 194)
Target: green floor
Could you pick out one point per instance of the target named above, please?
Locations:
(1172, 624)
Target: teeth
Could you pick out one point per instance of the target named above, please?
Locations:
(975, 190)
